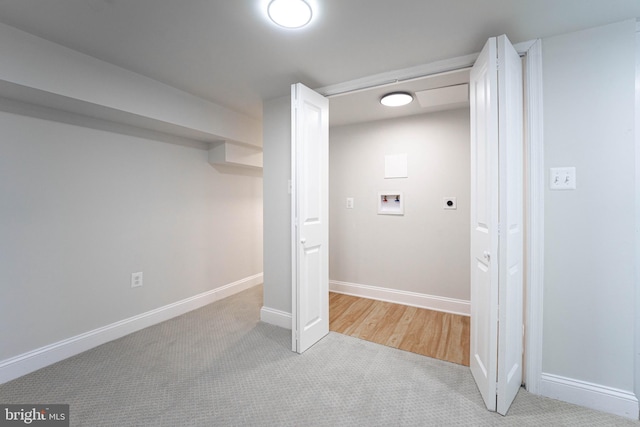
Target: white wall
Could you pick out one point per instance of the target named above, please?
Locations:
(426, 250)
(277, 211)
(361, 242)
(589, 233)
(84, 208)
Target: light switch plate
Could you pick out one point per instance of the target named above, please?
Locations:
(562, 178)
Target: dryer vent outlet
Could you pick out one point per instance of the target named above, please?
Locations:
(450, 203)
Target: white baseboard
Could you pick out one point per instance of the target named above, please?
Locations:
(275, 317)
(594, 396)
(431, 302)
(39, 358)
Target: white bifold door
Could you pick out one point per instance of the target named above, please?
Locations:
(497, 223)
(310, 216)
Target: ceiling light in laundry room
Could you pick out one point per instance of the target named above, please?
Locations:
(396, 99)
(290, 13)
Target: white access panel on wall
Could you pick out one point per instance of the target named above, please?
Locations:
(395, 166)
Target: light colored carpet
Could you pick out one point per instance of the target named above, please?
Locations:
(220, 366)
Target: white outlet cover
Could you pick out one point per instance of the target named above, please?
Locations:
(349, 202)
(450, 203)
(136, 279)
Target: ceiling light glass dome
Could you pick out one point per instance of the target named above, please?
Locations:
(396, 99)
(290, 13)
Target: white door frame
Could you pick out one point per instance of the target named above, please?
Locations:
(637, 194)
(534, 216)
(534, 191)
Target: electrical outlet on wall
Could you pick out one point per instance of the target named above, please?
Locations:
(136, 279)
(450, 203)
(349, 202)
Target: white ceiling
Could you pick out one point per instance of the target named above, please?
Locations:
(227, 52)
(365, 106)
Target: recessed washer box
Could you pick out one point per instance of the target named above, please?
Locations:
(390, 203)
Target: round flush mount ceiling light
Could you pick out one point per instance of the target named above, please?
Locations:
(396, 99)
(290, 13)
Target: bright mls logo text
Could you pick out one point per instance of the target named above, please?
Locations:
(39, 415)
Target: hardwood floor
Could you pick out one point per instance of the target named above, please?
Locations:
(431, 333)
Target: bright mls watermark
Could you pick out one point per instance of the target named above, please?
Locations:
(34, 415)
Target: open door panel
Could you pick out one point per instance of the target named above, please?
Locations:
(310, 214)
(496, 223)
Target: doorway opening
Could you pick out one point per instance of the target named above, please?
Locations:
(496, 132)
(412, 269)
